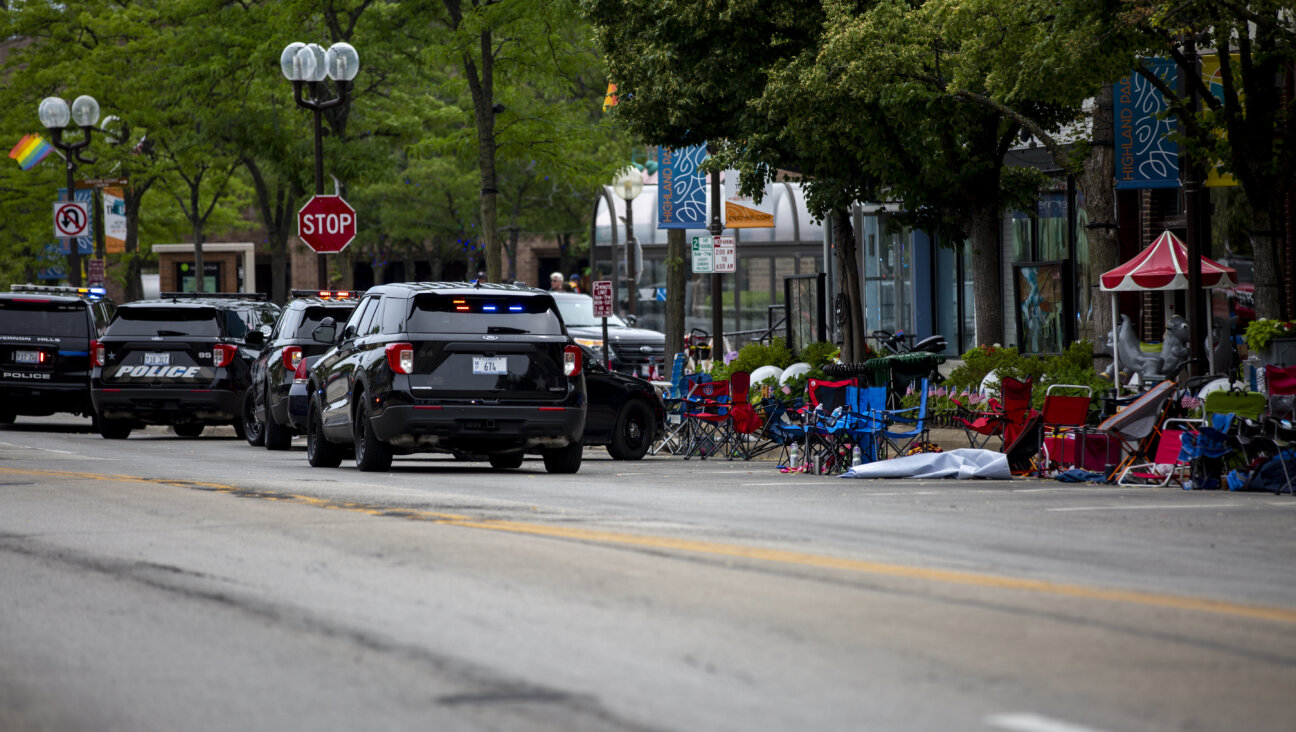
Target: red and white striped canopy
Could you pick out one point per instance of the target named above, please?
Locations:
(1164, 266)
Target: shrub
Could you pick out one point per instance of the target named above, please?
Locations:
(754, 355)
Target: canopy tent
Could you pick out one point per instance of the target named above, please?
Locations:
(1162, 266)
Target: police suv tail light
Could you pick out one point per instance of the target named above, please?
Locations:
(400, 357)
(98, 354)
(223, 354)
(299, 375)
(571, 361)
(292, 355)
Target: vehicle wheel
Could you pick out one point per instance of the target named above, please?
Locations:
(372, 455)
(114, 429)
(7, 417)
(506, 460)
(277, 436)
(563, 459)
(631, 438)
(240, 430)
(188, 430)
(253, 430)
(320, 453)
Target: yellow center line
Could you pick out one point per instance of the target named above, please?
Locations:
(944, 576)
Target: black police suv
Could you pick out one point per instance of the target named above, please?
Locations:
(635, 351)
(625, 412)
(457, 367)
(266, 420)
(45, 336)
(184, 359)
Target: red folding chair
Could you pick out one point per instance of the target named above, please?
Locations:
(1016, 398)
(1063, 415)
(1169, 463)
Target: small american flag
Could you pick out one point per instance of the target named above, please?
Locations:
(1190, 402)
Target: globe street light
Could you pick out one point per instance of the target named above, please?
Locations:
(628, 185)
(306, 65)
(55, 115)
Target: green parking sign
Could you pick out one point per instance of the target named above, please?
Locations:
(703, 255)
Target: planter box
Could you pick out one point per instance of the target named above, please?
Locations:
(1280, 351)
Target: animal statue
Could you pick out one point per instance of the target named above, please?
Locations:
(1132, 357)
(1174, 347)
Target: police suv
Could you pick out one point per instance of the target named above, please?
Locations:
(45, 334)
(182, 360)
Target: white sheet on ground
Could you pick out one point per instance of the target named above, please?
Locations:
(962, 463)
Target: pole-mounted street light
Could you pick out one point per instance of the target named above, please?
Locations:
(306, 65)
(628, 186)
(55, 115)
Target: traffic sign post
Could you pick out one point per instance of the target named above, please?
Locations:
(326, 224)
(71, 219)
(95, 273)
(724, 253)
(602, 292)
(703, 255)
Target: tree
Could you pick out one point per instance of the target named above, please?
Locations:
(1248, 128)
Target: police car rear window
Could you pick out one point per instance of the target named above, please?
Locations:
(483, 314)
(43, 318)
(312, 316)
(165, 322)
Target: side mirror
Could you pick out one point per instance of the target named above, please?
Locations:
(254, 338)
(631, 320)
(326, 331)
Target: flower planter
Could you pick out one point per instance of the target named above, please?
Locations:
(1280, 351)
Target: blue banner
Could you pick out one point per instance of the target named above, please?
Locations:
(85, 244)
(681, 189)
(1145, 155)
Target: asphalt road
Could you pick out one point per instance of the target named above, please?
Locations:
(163, 583)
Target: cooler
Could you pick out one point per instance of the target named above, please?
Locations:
(1099, 451)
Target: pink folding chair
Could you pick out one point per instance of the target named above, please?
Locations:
(1168, 462)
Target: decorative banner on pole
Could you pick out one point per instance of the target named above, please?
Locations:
(742, 212)
(681, 189)
(114, 213)
(1212, 77)
(1145, 156)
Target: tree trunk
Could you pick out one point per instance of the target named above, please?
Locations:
(848, 287)
(199, 283)
(987, 286)
(676, 278)
(134, 260)
(1267, 264)
(1097, 183)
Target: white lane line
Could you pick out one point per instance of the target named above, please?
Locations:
(1027, 722)
(1072, 489)
(31, 447)
(1169, 507)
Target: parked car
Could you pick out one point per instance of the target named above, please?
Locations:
(265, 406)
(632, 350)
(45, 336)
(184, 360)
(625, 412)
(457, 367)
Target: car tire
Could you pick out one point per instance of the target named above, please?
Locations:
(114, 429)
(563, 459)
(320, 453)
(7, 417)
(253, 431)
(277, 436)
(372, 455)
(506, 460)
(188, 430)
(632, 435)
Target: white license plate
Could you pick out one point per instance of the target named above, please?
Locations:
(491, 366)
(157, 359)
(26, 356)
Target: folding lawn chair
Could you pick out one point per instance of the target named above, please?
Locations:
(675, 437)
(904, 428)
(1170, 462)
(826, 441)
(1136, 426)
(864, 424)
(708, 416)
(1281, 383)
(1063, 415)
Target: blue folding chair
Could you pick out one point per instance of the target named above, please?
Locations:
(904, 428)
(675, 437)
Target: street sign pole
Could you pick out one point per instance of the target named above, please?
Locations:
(716, 228)
(602, 294)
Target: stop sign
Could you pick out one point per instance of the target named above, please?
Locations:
(326, 224)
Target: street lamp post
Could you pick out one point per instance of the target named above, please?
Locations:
(55, 115)
(306, 65)
(628, 186)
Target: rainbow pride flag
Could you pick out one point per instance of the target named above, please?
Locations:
(30, 150)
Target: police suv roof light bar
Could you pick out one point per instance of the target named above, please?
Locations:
(328, 294)
(92, 292)
(214, 296)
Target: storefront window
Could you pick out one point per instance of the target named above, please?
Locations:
(1052, 226)
(1085, 281)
